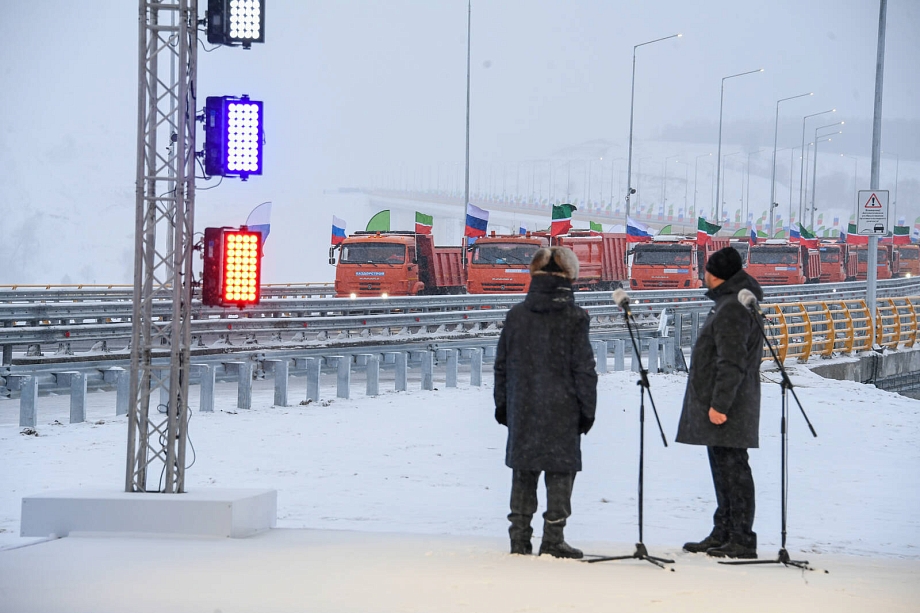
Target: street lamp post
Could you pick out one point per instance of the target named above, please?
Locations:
(696, 168)
(855, 172)
(894, 202)
(718, 218)
(773, 203)
(664, 188)
(719, 155)
(814, 169)
(632, 97)
(802, 164)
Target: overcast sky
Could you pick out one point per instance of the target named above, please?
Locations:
(354, 89)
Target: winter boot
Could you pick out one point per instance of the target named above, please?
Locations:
(560, 550)
(733, 550)
(705, 545)
(520, 547)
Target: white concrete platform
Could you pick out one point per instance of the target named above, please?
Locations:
(233, 513)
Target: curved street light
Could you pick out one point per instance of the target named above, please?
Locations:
(632, 96)
(696, 167)
(719, 155)
(802, 164)
(773, 203)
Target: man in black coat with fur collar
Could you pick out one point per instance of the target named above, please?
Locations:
(545, 393)
(722, 404)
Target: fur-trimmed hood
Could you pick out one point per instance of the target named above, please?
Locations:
(559, 261)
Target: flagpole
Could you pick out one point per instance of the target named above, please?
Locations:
(466, 182)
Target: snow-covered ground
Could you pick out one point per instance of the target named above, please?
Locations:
(424, 472)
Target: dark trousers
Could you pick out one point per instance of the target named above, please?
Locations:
(731, 476)
(524, 504)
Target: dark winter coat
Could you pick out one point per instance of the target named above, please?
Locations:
(725, 372)
(545, 382)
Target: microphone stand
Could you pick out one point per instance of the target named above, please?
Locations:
(641, 552)
(786, 386)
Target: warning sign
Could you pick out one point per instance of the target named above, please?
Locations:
(872, 212)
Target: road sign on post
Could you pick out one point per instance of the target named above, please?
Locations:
(872, 212)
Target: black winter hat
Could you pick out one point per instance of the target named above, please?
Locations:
(724, 263)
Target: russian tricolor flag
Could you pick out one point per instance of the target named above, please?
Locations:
(338, 230)
(477, 220)
(637, 232)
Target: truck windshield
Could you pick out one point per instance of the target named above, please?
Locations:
(766, 255)
(830, 256)
(672, 254)
(742, 249)
(863, 256)
(373, 253)
(498, 253)
(910, 254)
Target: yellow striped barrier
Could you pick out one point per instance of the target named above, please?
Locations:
(823, 327)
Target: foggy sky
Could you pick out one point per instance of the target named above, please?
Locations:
(354, 89)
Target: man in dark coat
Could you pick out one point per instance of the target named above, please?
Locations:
(545, 393)
(722, 404)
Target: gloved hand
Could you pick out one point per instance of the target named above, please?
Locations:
(501, 415)
(584, 424)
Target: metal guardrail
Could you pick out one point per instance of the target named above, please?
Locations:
(89, 325)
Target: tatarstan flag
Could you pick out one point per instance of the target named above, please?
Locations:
(705, 231)
(901, 235)
(562, 219)
(422, 223)
(595, 227)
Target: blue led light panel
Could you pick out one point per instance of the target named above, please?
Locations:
(234, 130)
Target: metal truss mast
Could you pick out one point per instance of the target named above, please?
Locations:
(168, 45)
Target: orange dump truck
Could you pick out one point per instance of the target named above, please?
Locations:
(396, 264)
(886, 265)
(779, 262)
(834, 262)
(666, 262)
(601, 258)
(501, 263)
(909, 260)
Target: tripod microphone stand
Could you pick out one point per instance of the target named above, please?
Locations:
(641, 552)
(786, 386)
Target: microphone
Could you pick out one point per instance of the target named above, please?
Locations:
(749, 300)
(621, 298)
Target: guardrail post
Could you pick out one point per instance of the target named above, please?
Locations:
(400, 360)
(243, 372)
(600, 355)
(427, 358)
(343, 376)
(207, 377)
(122, 391)
(694, 327)
(653, 366)
(678, 328)
(280, 370)
(28, 401)
(451, 377)
(666, 353)
(619, 354)
(372, 372)
(314, 368)
(636, 364)
(476, 367)
(77, 398)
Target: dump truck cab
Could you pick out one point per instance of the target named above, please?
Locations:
(501, 263)
(909, 260)
(666, 262)
(780, 262)
(381, 264)
(833, 262)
